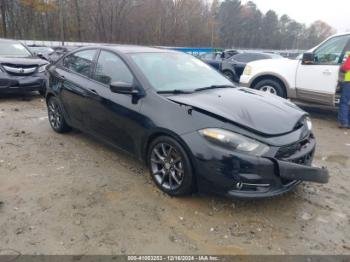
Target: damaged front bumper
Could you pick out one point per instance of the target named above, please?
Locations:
(291, 171)
(287, 177)
(245, 176)
(13, 84)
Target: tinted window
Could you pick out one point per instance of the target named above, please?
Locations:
(80, 62)
(331, 51)
(246, 58)
(110, 68)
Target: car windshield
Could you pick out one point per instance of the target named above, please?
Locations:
(13, 50)
(39, 49)
(177, 71)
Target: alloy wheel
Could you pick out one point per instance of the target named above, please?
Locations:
(55, 115)
(167, 166)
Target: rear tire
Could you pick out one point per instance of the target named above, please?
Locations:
(56, 117)
(170, 166)
(271, 86)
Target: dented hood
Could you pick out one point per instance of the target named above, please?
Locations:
(260, 112)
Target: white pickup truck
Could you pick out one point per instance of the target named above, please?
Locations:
(312, 79)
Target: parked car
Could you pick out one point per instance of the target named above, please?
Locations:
(41, 51)
(216, 59)
(233, 67)
(20, 70)
(312, 79)
(60, 51)
(191, 126)
(213, 59)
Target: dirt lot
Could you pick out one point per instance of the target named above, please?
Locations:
(70, 194)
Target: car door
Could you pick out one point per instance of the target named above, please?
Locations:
(113, 117)
(317, 82)
(74, 73)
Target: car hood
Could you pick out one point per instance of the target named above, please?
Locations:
(273, 63)
(23, 61)
(253, 110)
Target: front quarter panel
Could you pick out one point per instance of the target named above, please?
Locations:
(162, 116)
(284, 69)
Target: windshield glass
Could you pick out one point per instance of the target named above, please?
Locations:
(13, 50)
(170, 71)
(44, 50)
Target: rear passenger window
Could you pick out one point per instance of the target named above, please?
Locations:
(110, 68)
(246, 58)
(80, 62)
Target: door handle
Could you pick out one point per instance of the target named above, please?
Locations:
(327, 72)
(93, 91)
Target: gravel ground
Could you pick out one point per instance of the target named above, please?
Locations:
(70, 194)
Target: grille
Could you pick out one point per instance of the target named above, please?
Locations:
(19, 69)
(300, 153)
(288, 151)
(304, 160)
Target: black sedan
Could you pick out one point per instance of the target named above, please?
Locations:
(212, 59)
(233, 67)
(193, 129)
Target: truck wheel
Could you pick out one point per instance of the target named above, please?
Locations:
(271, 86)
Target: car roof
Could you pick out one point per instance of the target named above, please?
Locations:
(257, 53)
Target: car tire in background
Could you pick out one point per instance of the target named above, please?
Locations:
(170, 166)
(271, 86)
(56, 117)
(228, 74)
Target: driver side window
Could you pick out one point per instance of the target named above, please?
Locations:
(110, 68)
(331, 51)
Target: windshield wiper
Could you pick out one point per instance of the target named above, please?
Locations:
(175, 91)
(213, 87)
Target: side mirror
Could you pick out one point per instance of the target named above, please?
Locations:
(308, 59)
(123, 88)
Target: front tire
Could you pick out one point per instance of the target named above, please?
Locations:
(56, 117)
(170, 166)
(228, 74)
(271, 86)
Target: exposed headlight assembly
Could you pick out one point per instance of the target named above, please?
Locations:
(234, 141)
(42, 68)
(247, 70)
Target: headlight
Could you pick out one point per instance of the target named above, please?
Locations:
(247, 70)
(308, 123)
(234, 141)
(42, 68)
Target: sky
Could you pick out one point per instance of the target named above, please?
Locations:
(336, 12)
